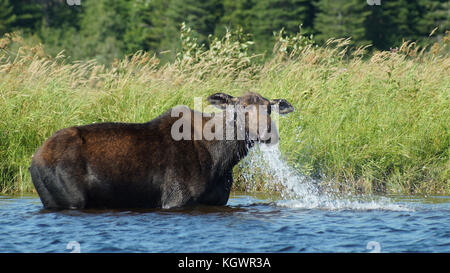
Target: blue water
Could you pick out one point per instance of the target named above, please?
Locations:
(249, 223)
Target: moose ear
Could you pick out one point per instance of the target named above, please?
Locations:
(221, 100)
(283, 106)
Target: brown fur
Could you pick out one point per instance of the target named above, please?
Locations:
(125, 165)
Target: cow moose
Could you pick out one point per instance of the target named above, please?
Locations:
(140, 165)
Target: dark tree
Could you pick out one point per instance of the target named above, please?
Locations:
(341, 19)
(7, 17)
(273, 15)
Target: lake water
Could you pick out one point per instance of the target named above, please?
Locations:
(248, 224)
(303, 218)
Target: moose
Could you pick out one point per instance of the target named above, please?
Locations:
(141, 165)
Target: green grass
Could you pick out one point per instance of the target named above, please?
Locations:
(363, 123)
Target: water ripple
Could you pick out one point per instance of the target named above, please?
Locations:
(247, 224)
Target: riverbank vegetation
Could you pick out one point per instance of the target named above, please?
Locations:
(366, 122)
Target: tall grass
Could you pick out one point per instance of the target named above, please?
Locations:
(364, 122)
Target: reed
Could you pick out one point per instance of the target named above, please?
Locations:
(365, 122)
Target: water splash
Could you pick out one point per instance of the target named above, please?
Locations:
(298, 191)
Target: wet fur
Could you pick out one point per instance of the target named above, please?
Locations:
(120, 165)
(127, 165)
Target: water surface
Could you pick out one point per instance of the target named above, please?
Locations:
(249, 223)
